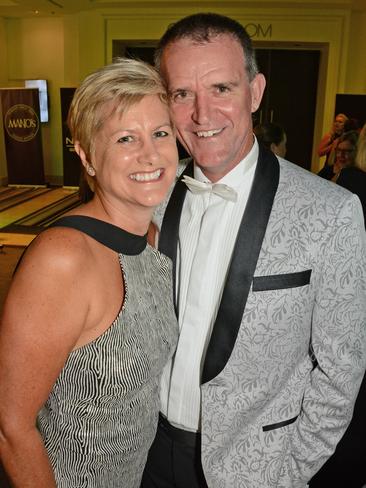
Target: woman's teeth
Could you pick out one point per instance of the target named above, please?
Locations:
(146, 176)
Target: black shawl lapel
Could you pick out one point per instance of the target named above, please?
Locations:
(244, 260)
(169, 233)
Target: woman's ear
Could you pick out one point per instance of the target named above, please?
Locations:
(81, 153)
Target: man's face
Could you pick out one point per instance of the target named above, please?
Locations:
(212, 101)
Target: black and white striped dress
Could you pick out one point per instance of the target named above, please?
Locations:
(100, 418)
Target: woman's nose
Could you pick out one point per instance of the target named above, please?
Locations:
(148, 153)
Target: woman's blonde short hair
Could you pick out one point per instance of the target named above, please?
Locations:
(120, 84)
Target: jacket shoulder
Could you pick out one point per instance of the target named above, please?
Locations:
(305, 182)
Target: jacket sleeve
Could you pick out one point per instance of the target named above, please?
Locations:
(339, 348)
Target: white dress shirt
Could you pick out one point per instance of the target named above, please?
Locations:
(207, 233)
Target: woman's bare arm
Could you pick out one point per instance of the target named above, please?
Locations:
(44, 315)
(326, 144)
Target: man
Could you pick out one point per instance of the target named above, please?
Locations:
(269, 269)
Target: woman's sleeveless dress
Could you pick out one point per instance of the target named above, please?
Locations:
(100, 418)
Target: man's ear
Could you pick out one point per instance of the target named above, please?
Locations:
(257, 87)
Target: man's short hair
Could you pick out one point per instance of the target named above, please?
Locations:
(201, 28)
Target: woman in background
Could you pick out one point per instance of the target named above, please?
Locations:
(354, 177)
(330, 140)
(345, 156)
(89, 322)
(273, 137)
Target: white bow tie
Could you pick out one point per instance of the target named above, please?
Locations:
(224, 191)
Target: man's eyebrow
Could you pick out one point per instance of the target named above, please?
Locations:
(173, 90)
(225, 83)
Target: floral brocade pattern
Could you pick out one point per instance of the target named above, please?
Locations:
(273, 416)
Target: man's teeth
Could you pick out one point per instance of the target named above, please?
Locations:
(208, 133)
(146, 176)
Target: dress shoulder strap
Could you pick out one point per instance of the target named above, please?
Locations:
(117, 239)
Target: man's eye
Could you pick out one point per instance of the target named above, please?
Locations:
(222, 88)
(125, 139)
(181, 96)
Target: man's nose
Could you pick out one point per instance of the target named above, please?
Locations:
(201, 112)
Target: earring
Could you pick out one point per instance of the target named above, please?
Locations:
(90, 170)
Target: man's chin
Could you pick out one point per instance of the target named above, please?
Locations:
(206, 165)
(207, 161)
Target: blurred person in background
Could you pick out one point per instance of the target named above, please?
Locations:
(353, 177)
(330, 139)
(273, 137)
(345, 156)
(345, 152)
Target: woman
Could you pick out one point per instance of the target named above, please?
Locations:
(329, 141)
(89, 323)
(273, 137)
(353, 177)
(345, 154)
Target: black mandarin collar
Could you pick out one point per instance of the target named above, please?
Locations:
(117, 239)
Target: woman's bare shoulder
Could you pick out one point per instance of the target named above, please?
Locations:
(58, 248)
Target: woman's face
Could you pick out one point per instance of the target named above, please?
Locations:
(338, 124)
(345, 154)
(135, 155)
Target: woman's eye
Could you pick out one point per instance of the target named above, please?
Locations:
(125, 139)
(161, 133)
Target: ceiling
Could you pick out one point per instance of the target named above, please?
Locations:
(25, 8)
(29, 8)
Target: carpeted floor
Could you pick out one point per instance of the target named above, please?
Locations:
(9, 256)
(8, 259)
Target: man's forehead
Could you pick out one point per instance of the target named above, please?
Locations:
(189, 42)
(185, 61)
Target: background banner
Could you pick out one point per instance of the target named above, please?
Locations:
(22, 133)
(72, 164)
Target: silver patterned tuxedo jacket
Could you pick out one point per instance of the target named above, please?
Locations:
(288, 349)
